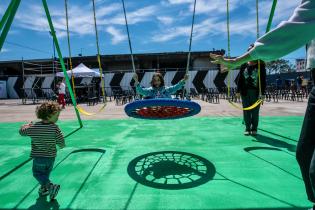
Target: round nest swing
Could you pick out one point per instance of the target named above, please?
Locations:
(160, 109)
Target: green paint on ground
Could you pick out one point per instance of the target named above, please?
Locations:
(251, 172)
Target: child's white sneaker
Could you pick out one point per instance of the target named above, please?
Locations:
(246, 133)
(43, 191)
(54, 189)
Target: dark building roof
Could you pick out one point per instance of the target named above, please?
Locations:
(110, 63)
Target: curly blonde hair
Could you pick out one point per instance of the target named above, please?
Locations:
(46, 109)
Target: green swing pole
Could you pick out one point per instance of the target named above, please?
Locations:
(61, 61)
(6, 14)
(272, 12)
(8, 24)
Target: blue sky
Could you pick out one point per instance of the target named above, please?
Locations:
(155, 26)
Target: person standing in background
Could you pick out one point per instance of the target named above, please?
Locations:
(288, 36)
(61, 93)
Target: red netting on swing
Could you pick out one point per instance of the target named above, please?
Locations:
(162, 111)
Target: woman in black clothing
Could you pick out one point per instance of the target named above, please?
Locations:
(305, 151)
(248, 88)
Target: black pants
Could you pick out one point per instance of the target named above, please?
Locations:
(251, 117)
(305, 149)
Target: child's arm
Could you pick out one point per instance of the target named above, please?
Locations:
(178, 86)
(24, 129)
(143, 91)
(174, 88)
(60, 140)
(140, 90)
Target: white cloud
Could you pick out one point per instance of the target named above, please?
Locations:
(284, 9)
(208, 28)
(33, 19)
(171, 18)
(215, 23)
(171, 33)
(218, 7)
(4, 50)
(108, 10)
(180, 1)
(207, 6)
(81, 20)
(140, 15)
(3, 8)
(97, 2)
(117, 35)
(14, 32)
(205, 28)
(166, 20)
(215, 6)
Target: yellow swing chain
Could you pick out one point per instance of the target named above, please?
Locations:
(98, 54)
(259, 101)
(80, 109)
(69, 48)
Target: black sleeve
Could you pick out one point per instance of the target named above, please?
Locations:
(263, 77)
(313, 75)
(240, 79)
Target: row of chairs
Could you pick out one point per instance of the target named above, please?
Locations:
(275, 95)
(213, 95)
(210, 95)
(122, 97)
(37, 95)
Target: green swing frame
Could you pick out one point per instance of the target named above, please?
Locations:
(5, 24)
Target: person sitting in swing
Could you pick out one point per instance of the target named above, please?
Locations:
(158, 88)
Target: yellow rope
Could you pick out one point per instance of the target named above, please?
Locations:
(69, 48)
(259, 101)
(80, 109)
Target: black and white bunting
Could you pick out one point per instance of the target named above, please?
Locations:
(125, 83)
(12, 92)
(198, 81)
(36, 86)
(209, 79)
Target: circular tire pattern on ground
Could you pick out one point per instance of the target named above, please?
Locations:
(171, 170)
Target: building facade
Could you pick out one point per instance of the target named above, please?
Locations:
(300, 65)
(28, 77)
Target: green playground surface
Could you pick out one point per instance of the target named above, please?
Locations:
(248, 172)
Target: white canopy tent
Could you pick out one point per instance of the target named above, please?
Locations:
(81, 71)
